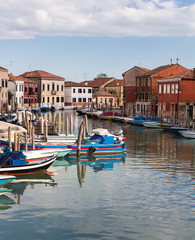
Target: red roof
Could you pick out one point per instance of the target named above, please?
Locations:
(40, 74)
(98, 82)
(20, 78)
(188, 74)
(103, 93)
(75, 84)
(156, 70)
(1, 68)
(140, 68)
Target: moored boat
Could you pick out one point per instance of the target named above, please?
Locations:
(188, 134)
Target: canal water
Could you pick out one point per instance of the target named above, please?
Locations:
(148, 193)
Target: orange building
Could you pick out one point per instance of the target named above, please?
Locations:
(177, 95)
(147, 88)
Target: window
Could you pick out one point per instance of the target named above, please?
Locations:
(137, 107)
(62, 99)
(57, 87)
(62, 88)
(172, 88)
(137, 82)
(2, 95)
(48, 99)
(89, 99)
(101, 100)
(6, 83)
(79, 100)
(176, 88)
(73, 90)
(57, 99)
(164, 106)
(84, 99)
(164, 88)
(83, 90)
(74, 100)
(20, 89)
(105, 100)
(148, 95)
(35, 88)
(53, 86)
(2, 83)
(160, 88)
(48, 87)
(110, 100)
(43, 99)
(148, 82)
(79, 90)
(26, 100)
(25, 89)
(137, 96)
(168, 88)
(89, 90)
(43, 87)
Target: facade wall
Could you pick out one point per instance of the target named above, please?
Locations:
(78, 96)
(118, 93)
(105, 101)
(52, 93)
(3, 87)
(175, 98)
(20, 94)
(30, 95)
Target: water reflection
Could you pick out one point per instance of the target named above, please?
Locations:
(19, 185)
(5, 202)
(97, 162)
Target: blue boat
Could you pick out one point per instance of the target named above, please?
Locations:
(140, 120)
(45, 109)
(16, 162)
(100, 144)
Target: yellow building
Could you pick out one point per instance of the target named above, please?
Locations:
(51, 90)
(116, 89)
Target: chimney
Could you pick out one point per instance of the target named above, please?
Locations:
(171, 61)
(177, 60)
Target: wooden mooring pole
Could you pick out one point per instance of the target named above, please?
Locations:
(9, 138)
(79, 140)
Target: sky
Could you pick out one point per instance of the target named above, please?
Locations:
(79, 39)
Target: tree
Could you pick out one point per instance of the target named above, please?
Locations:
(102, 75)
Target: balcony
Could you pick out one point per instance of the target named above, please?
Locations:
(53, 92)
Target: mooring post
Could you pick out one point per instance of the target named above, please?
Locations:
(18, 148)
(42, 125)
(9, 138)
(79, 140)
(71, 125)
(27, 122)
(86, 124)
(15, 141)
(26, 144)
(45, 132)
(33, 140)
(66, 126)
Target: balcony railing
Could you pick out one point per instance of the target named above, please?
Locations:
(53, 92)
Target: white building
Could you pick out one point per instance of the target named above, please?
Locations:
(16, 87)
(77, 94)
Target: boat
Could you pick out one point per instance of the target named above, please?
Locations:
(152, 124)
(16, 162)
(52, 108)
(188, 134)
(100, 144)
(45, 109)
(140, 120)
(6, 179)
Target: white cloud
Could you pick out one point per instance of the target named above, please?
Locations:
(27, 19)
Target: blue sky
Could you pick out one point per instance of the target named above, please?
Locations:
(78, 39)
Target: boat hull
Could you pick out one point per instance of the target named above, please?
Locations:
(6, 179)
(28, 168)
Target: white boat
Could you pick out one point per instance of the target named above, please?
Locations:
(60, 152)
(152, 124)
(188, 134)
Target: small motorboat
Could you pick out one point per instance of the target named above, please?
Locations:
(188, 134)
(17, 162)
